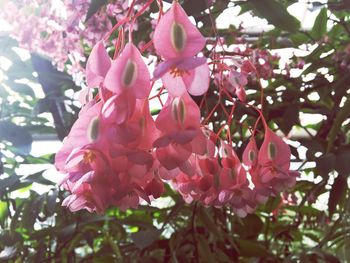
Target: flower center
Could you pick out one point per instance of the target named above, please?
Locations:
(89, 156)
(175, 72)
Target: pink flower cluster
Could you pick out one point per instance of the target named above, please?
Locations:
(56, 28)
(117, 155)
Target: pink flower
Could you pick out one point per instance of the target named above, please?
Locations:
(238, 80)
(86, 130)
(179, 123)
(97, 65)
(274, 159)
(175, 36)
(129, 73)
(269, 167)
(177, 40)
(90, 192)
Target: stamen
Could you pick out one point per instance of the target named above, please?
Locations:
(175, 72)
(89, 156)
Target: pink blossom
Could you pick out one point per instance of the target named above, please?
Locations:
(177, 40)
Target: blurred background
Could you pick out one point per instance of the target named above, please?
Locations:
(303, 49)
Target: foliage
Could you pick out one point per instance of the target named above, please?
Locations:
(289, 228)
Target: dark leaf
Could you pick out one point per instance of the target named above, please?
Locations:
(8, 238)
(37, 178)
(51, 202)
(248, 248)
(341, 116)
(249, 227)
(8, 182)
(43, 105)
(342, 165)
(320, 26)
(290, 118)
(17, 135)
(325, 164)
(337, 193)
(32, 210)
(145, 238)
(194, 8)
(21, 88)
(94, 6)
(207, 221)
(204, 250)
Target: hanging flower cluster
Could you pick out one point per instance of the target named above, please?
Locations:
(117, 155)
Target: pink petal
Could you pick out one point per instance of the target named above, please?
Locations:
(97, 65)
(155, 188)
(119, 108)
(85, 95)
(173, 155)
(241, 94)
(250, 154)
(197, 81)
(175, 35)
(79, 134)
(141, 157)
(190, 63)
(274, 150)
(174, 84)
(129, 72)
(178, 114)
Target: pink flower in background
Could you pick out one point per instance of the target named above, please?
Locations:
(269, 166)
(238, 80)
(274, 159)
(97, 65)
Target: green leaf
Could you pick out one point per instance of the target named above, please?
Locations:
(17, 135)
(9, 238)
(336, 31)
(8, 182)
(208, 221)
(276, 13)
(145, 238)
(248, 248)
(51, 202)
(204, 250)
(43, 105)
(342, 160)
(325, 164)
(31, 211)
(320, 26)
(337, 194)
(3, 210)
(341, 116)
(155, 112)
(94, 6)
(6, 45)
(249, 227)
(290, 118)
(21, 88)
(194, 8)
(272, 204)
(37, 178)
